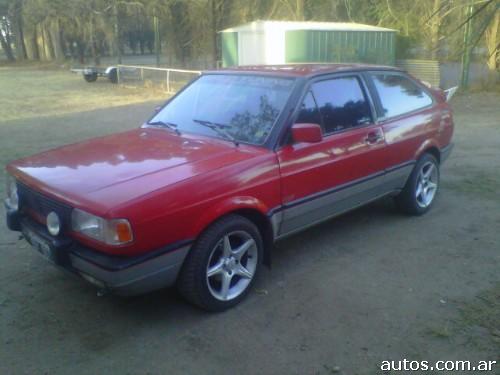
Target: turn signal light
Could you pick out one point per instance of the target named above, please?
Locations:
(123, 232)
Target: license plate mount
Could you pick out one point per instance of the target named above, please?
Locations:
(40, 244)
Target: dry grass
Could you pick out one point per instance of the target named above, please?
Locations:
(476, 182)
(43, 107)
(484, 312)
(477, 323)
(30, 93)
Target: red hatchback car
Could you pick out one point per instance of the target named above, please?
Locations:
(238, 159)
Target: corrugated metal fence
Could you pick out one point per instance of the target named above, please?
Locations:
(425, 70)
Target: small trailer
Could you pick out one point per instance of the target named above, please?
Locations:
(91, 73)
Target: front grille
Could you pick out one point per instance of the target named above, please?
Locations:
(38, 206)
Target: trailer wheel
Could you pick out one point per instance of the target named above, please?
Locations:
(92, 77)
(112, 75)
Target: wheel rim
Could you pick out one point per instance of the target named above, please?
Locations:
(232, 265)
(427, 184)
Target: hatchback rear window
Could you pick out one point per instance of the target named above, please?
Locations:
(398, 94)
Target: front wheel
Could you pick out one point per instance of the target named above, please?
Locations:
(222, 265)
(420, 190)
(91, 77)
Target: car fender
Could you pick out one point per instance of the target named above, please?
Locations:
(227, 206)
(425, 146)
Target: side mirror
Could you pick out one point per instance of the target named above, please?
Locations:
(308, 133)
(158, 109)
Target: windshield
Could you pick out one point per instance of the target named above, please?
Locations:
(237, 107)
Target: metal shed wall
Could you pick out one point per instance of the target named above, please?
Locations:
(336, 46)
(229, 49)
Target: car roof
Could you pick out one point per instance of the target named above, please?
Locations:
(301, 70)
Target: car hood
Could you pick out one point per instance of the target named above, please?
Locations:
(108, 171)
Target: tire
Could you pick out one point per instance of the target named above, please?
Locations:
(215, 276)
(113, 75)
(90, 77)
(420, 191)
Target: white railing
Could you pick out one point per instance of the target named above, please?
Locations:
(170, 80)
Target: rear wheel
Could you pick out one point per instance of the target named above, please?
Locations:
(222, 265)
(421, 188)
(92, 77)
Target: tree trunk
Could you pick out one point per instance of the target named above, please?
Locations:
(40, 43)
(55, 37)
(81, 52)
(6, 48)
(8, 33)
(31, 44)
(47, 42)
(116, 36)
(299, 15)
(435, 23)
(16, 22)
(492, 42)
(215, 49)
(93, 44)
(21, 53)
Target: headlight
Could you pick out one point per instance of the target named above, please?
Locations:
(111, 232)
(11, 189)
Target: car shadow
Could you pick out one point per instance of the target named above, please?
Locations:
(166, 303)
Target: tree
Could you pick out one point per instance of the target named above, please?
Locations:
(15, 17)
(492, 39)
(188, 29)
(6, 31)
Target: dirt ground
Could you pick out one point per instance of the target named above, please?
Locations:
(369, 286)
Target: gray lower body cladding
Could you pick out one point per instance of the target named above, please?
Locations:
(301, 214)
(120, 275)
(156, 273)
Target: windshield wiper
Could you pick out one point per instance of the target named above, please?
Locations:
(219, 129)
(165, 124)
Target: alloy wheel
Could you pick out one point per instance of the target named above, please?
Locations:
(231, 265)
(427, 184)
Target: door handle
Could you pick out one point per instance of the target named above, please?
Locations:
(374, 137)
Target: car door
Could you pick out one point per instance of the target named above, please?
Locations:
(346, 168)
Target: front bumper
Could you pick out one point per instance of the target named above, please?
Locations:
(117, 274)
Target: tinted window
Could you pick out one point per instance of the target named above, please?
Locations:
(245, 107)
(342, 103)
(309, 112)
(399, 94)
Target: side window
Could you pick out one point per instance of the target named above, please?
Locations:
(398, 94)
(309, 112)
(342, 103)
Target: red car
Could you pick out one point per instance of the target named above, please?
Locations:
(238, 159)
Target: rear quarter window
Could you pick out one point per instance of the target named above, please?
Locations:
(398, 94)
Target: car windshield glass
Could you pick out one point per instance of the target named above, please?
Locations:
(246, 107)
